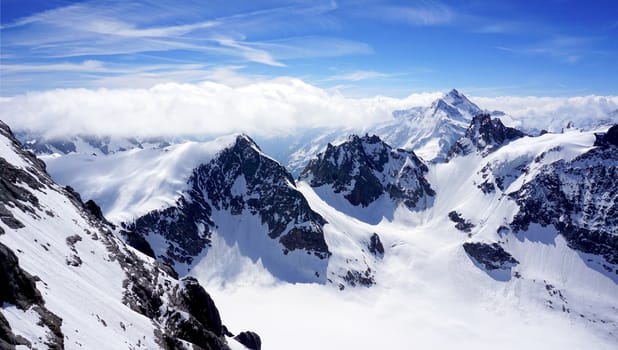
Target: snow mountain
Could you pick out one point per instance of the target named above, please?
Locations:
(367, 172)
(250, 200)
(67, 281)
(506, 232)
(429, 131)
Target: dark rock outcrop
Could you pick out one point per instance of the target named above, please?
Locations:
(16, 183)
(8, 340)
(610, 138)
(460, 223)
(187, 225)
(375, 245)
(365, 168)
(491, 256)
(18, 287)
(357, 278)
(202, 326)
(138, 242)
(484, 135)
(250, 340)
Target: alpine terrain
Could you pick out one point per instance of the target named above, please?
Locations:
(444, 227)
(68, 281)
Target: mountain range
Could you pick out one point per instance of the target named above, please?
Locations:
(443, 215)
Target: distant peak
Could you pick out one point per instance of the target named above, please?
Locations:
(461, 102)
(455, 97)
(455, 93)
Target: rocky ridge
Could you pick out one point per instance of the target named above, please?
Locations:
(240, 181)
(363, 169)
(484, 135)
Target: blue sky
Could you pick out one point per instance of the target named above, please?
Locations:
(360, 48)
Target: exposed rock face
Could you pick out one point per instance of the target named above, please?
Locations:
(138, 242)
(249, 339)
(242, 178)
(607, 139)
(484, 135)
(18, 287)
(203, 325)
(490, 256)
(580, 198)
(12, 194)
(375, 245)
(240, 181)
(365, 168)
(187, 225)
(460, 223)
(357, 278)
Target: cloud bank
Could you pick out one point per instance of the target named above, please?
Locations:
(278, 107)
(553, 113)
(269, 108)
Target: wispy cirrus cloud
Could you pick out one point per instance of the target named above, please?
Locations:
(357, 76)
(115, 32)
(567, 49)
(421, 13)
(85, 66)
(89, 42)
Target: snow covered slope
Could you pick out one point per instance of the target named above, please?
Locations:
(68, 282)
(128, 184)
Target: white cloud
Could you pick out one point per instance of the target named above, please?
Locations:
(274, 107)
(263, 108)
(551, 113)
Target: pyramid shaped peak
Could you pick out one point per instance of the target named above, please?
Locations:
(461, 102)
(455, 93)
(244, 140)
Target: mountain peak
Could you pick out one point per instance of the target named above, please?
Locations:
(372, 140)
(454, 93)
(485, 134)
(244, 141)
(461, 102)
(365, 168)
